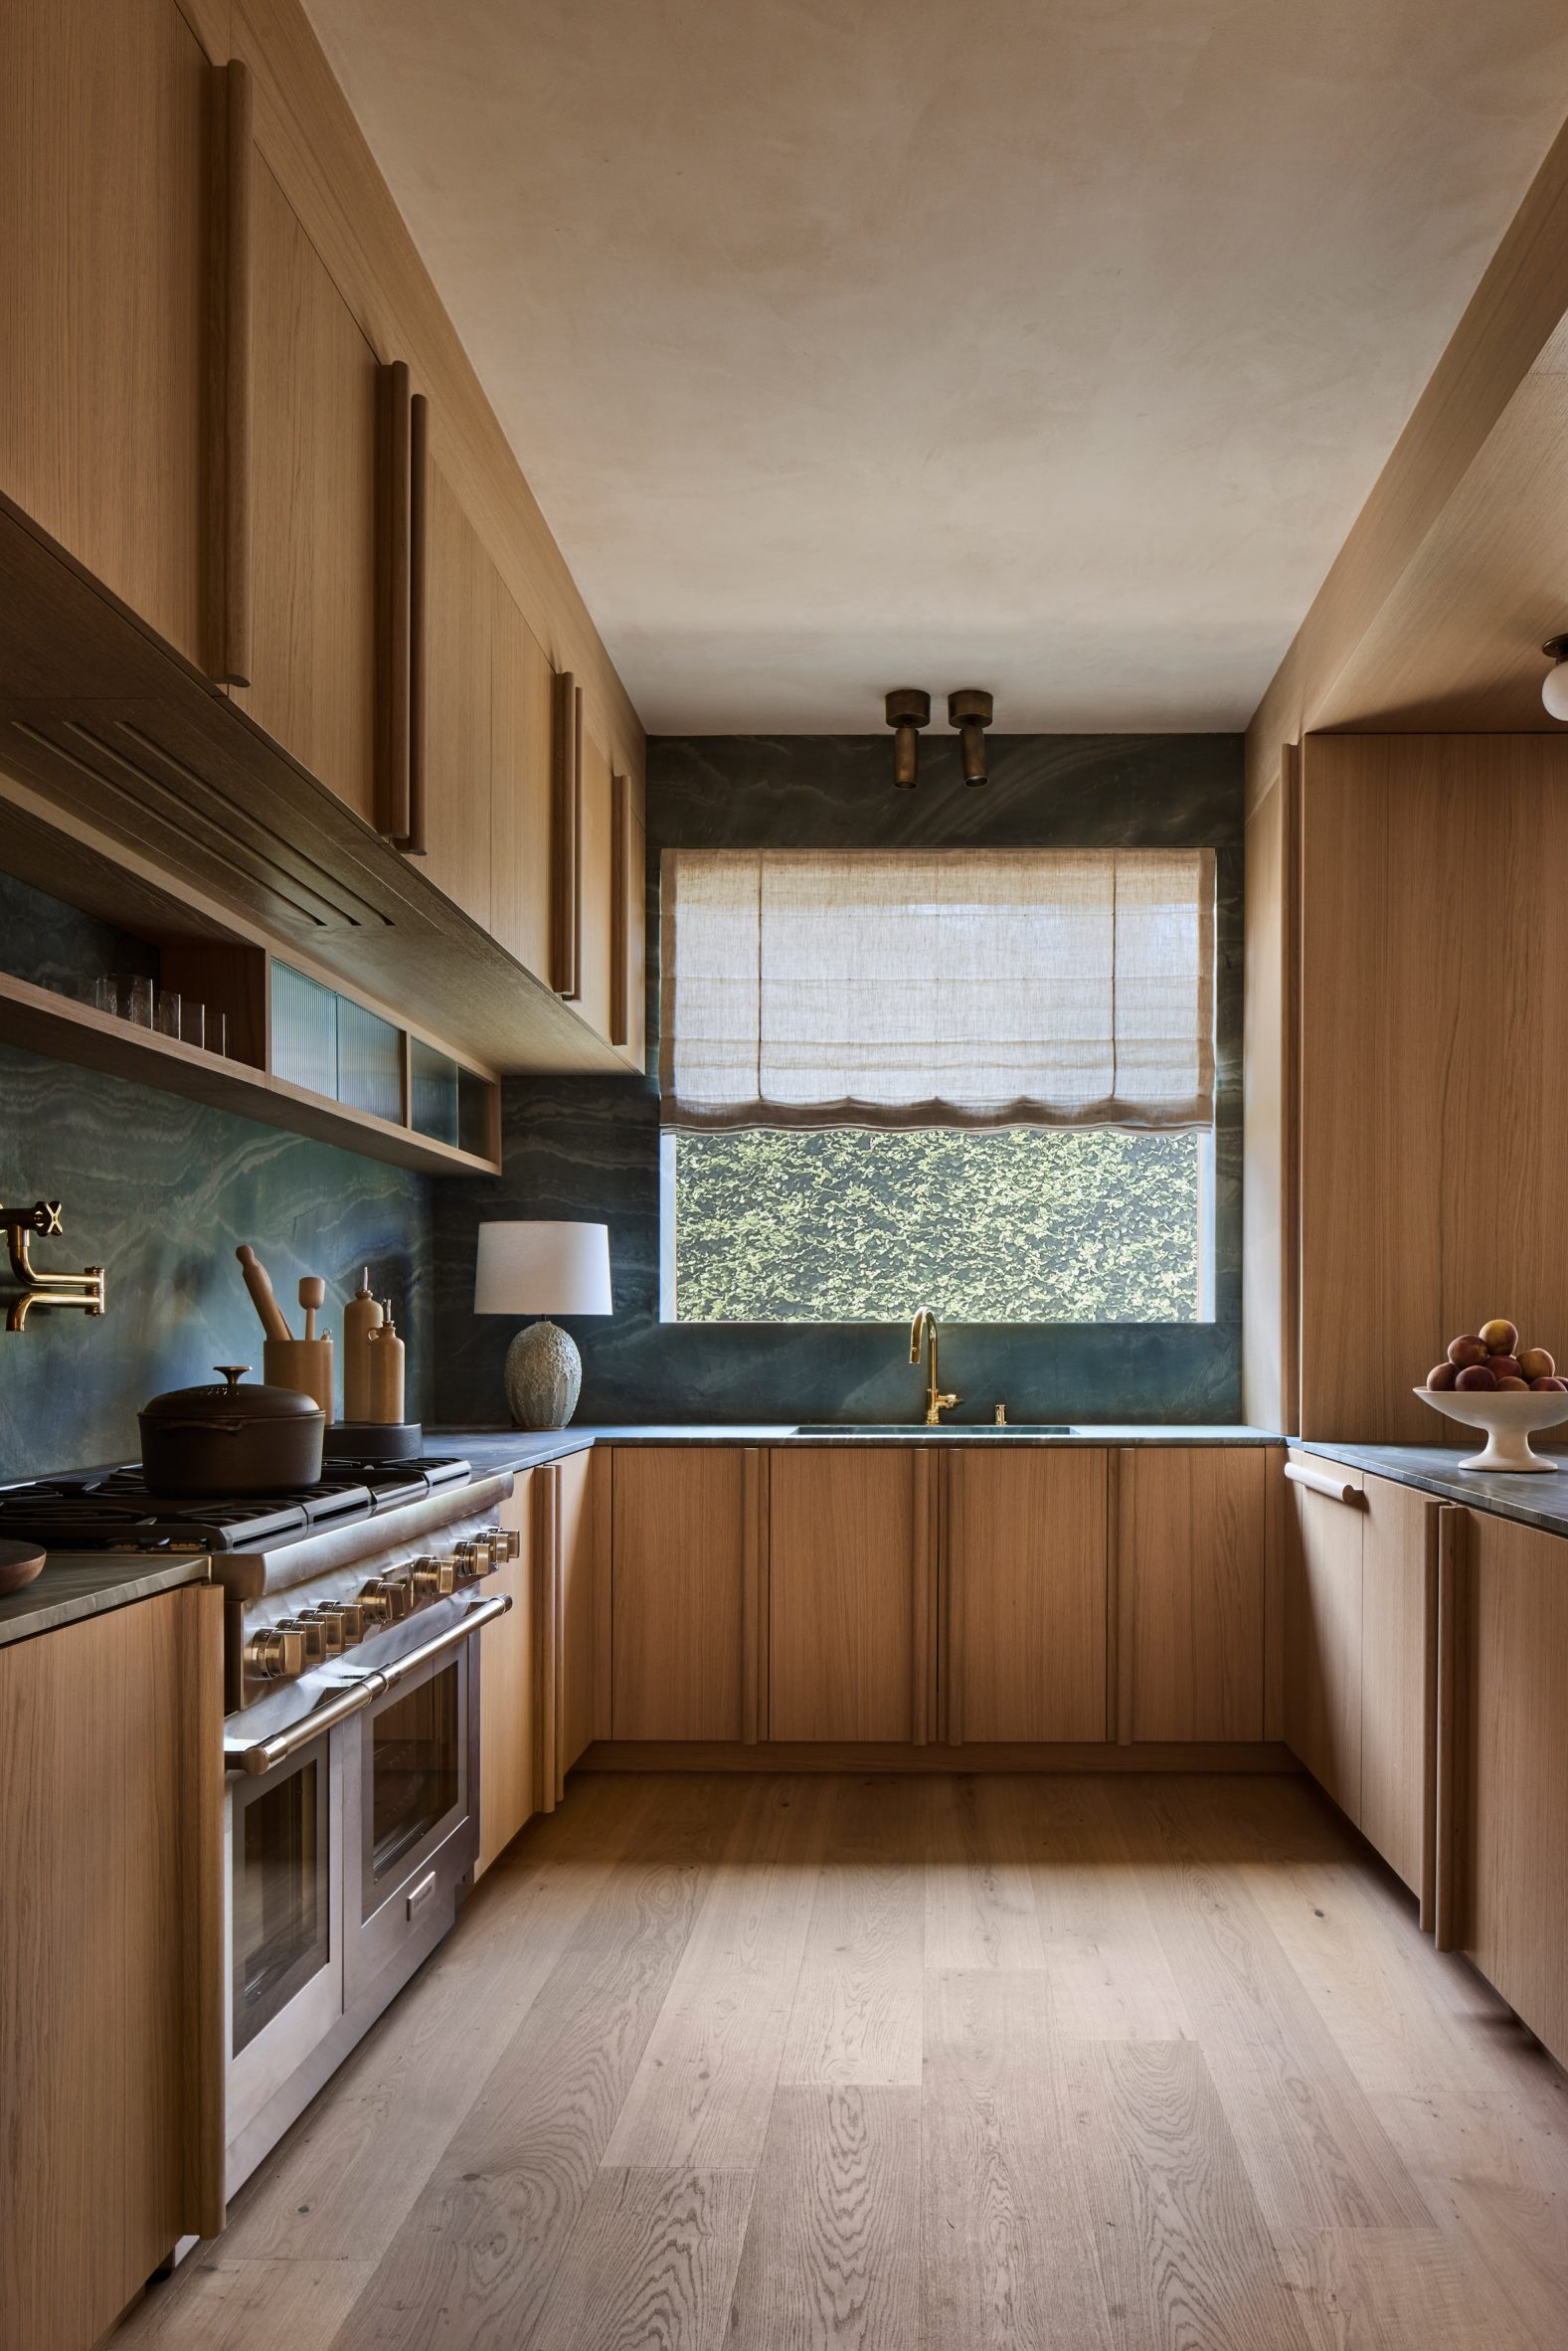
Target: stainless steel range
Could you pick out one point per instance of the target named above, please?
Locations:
(351, 1739)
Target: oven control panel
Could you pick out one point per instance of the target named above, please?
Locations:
(316, 1631)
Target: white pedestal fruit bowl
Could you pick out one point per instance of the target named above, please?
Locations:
(1507, 1417)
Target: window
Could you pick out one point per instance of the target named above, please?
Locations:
(976, 1080)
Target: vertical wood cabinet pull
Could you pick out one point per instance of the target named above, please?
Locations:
(620, 885)
(1448, 1920)
(394, 436)
(952, 1612)
(419, 577)
(1426, 1892)
(230, 376)
(566, 840)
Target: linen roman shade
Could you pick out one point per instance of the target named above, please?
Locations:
(948, 988)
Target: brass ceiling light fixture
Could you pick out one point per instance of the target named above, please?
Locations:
(907, 711)
(1554, 693)
(969, 710)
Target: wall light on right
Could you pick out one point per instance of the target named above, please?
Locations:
(1554, 692)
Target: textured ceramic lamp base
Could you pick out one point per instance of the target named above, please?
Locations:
(544, 1376)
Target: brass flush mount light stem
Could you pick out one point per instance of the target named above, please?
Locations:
(969, 710)
(907, 711)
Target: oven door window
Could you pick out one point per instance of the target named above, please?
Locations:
(281, 1895)
(415, 1756)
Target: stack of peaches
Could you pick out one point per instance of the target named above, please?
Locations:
(1493, 1358)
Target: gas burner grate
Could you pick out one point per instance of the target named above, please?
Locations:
(113, 1510)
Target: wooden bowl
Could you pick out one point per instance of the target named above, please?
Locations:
(19, 1563)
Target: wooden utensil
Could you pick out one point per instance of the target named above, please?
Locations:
(312, 1297)
(259, 1283)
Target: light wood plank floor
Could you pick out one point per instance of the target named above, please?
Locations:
(929, 2064)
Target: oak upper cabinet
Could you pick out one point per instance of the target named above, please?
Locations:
(112, 2030)
(1322, 1629)
(522, 691)
(1512, 1649)
(312, 506)
(508, 1697)
(851, 1592)
(104, 151)
(1399, 1568)
(461, 616)
(1190, 1583)
(684, 1548)
(1025, 1593)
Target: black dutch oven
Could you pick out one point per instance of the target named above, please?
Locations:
(231, 1440)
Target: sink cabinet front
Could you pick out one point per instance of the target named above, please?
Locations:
(1024, 1615)
(851, 1592)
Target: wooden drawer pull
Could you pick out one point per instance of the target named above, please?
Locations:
(1319, 1482)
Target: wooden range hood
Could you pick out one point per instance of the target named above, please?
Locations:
(122, 767)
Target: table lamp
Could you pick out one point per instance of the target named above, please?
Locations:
(540, 1268)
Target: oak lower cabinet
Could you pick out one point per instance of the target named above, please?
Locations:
(103, 136)
(1323, 1630)
(582, 1570)
(685, 1543)
(1512, 1769)
(312, 553)
(851, 1592)
(1024, 1615)
(508, 1695)
(1192, 1542)
(111, 2035)
(1360, 1655)
(1399, 1569)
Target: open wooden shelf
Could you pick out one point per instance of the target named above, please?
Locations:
(44, 1022)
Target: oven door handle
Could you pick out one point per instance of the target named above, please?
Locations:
(473, 1621)
(266, 1753)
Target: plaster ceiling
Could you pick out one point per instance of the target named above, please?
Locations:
(1047, 345)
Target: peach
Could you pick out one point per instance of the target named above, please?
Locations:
(1475, 1378)
(1535, 1363)
(1522, 1384)
(1503, 1368)
(1550, 1386)
(1500, 1338)
(1442, 1375)
(1462, 1351)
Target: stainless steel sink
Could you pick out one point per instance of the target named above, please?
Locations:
(918, 1428)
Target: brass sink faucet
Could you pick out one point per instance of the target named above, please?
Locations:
(923, 1335)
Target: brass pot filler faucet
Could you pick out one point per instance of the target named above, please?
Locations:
(84, 1290)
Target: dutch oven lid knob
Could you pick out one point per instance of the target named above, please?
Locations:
(233, 1372)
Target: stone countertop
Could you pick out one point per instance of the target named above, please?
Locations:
(75, 1584)
(518, 1449)
(1535, 1498)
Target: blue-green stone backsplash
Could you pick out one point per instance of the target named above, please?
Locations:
(161, 1190)
(589, 1147)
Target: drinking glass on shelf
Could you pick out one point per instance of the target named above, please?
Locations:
(193, 1022)
(138, 1008)
(105, 993)
(166, 1012)
(217, 1034)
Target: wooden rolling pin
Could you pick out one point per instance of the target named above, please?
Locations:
(258, 1282)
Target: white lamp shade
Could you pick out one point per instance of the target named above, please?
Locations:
(1554, 693)
(542, 1269)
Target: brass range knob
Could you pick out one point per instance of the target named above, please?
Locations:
(387, 1597)
(432, 1579)
(276, 1653)
(505, 1542)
